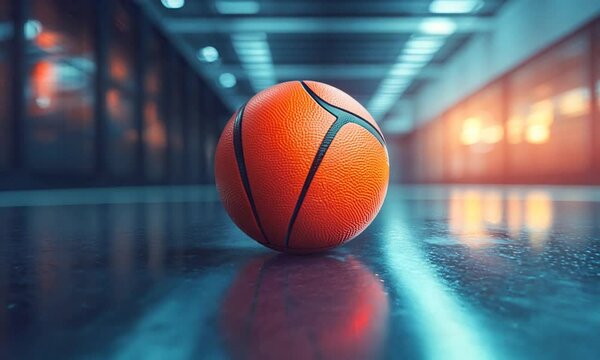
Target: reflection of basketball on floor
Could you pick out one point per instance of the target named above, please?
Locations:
(305, 308)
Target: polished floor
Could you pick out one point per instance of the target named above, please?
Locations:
(442, 273)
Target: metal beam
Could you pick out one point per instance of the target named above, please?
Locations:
(343, 72)
(308, 25)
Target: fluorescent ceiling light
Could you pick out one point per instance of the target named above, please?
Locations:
(227, 80)
(420, 51)
(415, 58)
(255, 57)
(417, 52)
(173, 4)
(237, 7)
(404, 69)
(438, 26)
(455, 6)
(249, 37)
(208, 54)
(430, 43)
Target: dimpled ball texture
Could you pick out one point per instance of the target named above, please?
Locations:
(302, 167)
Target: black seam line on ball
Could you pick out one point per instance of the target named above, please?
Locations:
(343, 117)
(327, 140)
(344, 114)
(239, 156)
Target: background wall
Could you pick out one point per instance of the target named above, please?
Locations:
(92, 93)
(518, 104)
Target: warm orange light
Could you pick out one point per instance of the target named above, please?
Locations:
(514, 215)
(471, 131)
(514, 128)
(43, 78)
(155, 134)
(492, 134)
(492, 208)
(118, 68)
(539, 121)
(539, 217)
(574, 102)
(117, 107)
(541, 113)
(47, 40)
(538, 134)
(466, 218)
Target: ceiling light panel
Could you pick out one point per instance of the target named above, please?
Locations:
(226, 7)
(455, 6)
(256, 59)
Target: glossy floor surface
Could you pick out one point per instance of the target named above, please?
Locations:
(442, 273)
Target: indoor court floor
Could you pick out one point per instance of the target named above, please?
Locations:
(442, 273)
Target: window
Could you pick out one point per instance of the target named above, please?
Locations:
(434, 151)
(6, 31)
(122, 133)
(155, 131)
(59, 95)
(456, 150)
(548, 126)
(482, 134)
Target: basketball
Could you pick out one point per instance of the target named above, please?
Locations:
(302, 167)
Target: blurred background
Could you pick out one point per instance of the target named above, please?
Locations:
(118, 92)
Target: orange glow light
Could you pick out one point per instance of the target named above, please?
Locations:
(515, 127)
(538, 134)
(47, 40)
(471, 131)
(574, 102)
(539, 217)
(492, 134)
(118, 68)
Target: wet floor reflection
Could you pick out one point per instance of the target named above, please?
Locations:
(526, 267)
(475, 216)
(320, 307)
(487, 272)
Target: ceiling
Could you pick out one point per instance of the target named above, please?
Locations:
(378, 51)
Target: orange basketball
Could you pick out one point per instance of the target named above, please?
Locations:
(302, 167)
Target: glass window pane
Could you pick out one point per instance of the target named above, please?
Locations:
(6, 31)
(122, 135)
(482, 133)
(548, 128)
(155, 131)
(433, 164)
(456, 166)
(59, 96)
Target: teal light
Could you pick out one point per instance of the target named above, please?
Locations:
(256, 59)
(173, 4)
(208, 54)
(438, 26)
(227, 80)
(455, 6)
(32, 29)
(446, 327)
(237, 7)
